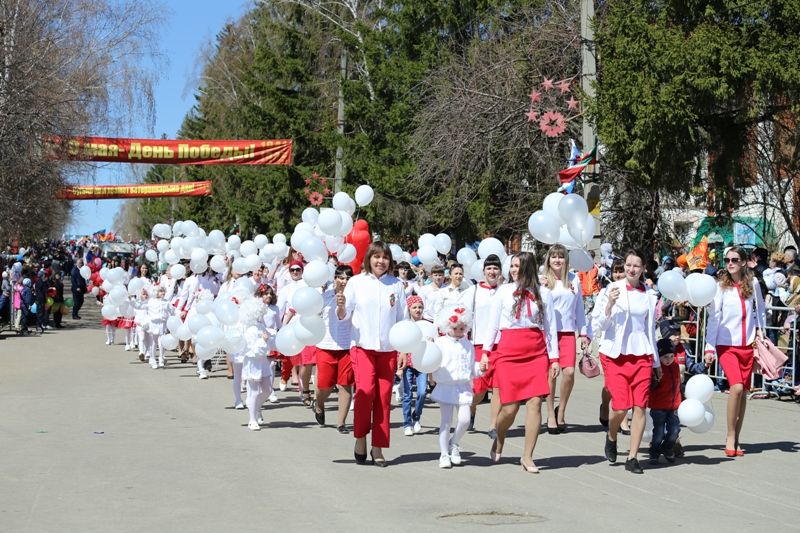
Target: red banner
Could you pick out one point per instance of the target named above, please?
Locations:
(173, 152)
(138, 190)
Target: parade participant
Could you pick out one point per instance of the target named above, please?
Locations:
(617, 273)
(454, 378)
(158, 311)
(257, 369)
(524, 318)
(58, 301)
(413, 413)
(665, 398)
(272, 321)
(301, 363)
(406, 276)
(374, 300)
(451, 292)
(626, 317)
(333, 353)
(140, 320)
(565, 288)
(186, 293)
(226, 291)
(78, 288)
(282, 273)
(431, 292)
(735, 318)
(478, 299)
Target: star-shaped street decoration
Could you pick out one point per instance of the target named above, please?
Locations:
(572, 104)
(564, 86)
(547, 84)
(536, 96)
(532, 115)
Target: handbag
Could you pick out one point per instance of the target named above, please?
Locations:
(769, 358)
(588, 366)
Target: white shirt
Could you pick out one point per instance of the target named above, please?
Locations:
(478, 299)
(568, 303)
(502, 316)
(169, 286)
(375, 305)
(208, 283)
(285, 297)
(272, 319)
(458, 361)
(732, 321)
(187, 293)
(430, 293)
(447, 295)
(337, 332)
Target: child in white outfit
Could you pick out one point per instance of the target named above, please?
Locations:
(158, 311)
(453, 389)
(257, 367)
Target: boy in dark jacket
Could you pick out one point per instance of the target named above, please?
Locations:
(665, 397)
(27, 301)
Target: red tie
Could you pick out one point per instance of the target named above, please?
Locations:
(485, 285)
(640, 288)
(524, 294)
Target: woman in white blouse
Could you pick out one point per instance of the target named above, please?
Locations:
(375, 300)
(625, 318)
(565, 288)
(528, 346)
(735, 317)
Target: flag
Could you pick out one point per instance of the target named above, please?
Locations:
(581, 162)
(698, 257)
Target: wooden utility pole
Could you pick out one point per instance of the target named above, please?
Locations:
(339, 172)
(591, 189)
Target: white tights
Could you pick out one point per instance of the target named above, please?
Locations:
(446, 410)
(151, 342)
(111, 332)
(237, 382)
(130, 337)
(257, 392)
(141, 339)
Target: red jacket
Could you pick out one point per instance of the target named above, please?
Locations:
(667, 394)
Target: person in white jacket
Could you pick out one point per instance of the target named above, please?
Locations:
(565, 288)
(625, 318)
(158, 311)
(453, 389)
(735, 317)
(256, 367)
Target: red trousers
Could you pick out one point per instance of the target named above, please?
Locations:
(374, 372)
(286, 368)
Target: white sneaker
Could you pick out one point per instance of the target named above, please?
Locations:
(260, 421)
(239, 406)
(153, 365)
(455, 455)
(444, 461)
(282, 386)
(417, 427)
(108, 343)
(202, 374)
(161, 364)
(273, 398)
(408, 432)
(253, 426)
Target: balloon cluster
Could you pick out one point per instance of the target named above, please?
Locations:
(697, 289)
(416, 339)
(116, 302)
(696, 411)
(565, 219)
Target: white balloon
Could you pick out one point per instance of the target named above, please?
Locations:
(307, 301)
(118, 294)
(248, 248)
(347, 254)
(197, 322)
(700, 387)
(313, 248)
(309, 329)
(151, 255)
(364, 195)
(341, 201)
(198, 267)
(169, 342)
(162, 245)
(329, 221)
(443, 243)
(706, 424)
(204, 352)
(310, 215)
(476, 270)
(103, 272)
(109, 311)
(701, 289)
(299, 237)
(287, 342)
(426, 239)
(582, 230)
(177, 228)
(210, 336)
(506, 267)
(550, 205)
(234, 341)
(566, 239)
(173, 323)
(86, 272)
(573, 209)
(431, 359)
(350, 208)
(397, 252)
(316, 273)
(234, 241)
(429, 331)
(226, 311)
(544, 227)
(189, 227)
(405, 336)
(260, 240)
(204, 306)
(184, 333)
(252, 262)
(106, 285)
(281, 249)
(216, 241)
(240, 265)
(134, 286)
(580, 260)
(491, 246)
(672, 285)
(178, 271)
(217, 264)
(163, 231)
(347, 223)
(428, 255)
(279, 237)
(691, 412)
(95, 291)
(171, 257)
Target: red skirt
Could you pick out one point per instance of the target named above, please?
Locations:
(482, 383)
(627, 379)
(307, 357)
(567, 349)
(520, 365)
(737, 363)
(114, 322)
(125, 323)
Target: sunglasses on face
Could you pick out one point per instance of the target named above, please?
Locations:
(734, 260)
(295, 270)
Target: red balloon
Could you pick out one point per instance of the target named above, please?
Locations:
(98, 261)
(360, 225)
(359, 237)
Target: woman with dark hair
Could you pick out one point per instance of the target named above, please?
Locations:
(735, 317)
(626, 319)
(528, 346)
(375, 300)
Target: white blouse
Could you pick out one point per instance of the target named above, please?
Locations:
(375, 305)
(568, 303)
(272, 319)
(478, 299)
(458, 361)
(502, 316)
(337, 332)
(732, 320)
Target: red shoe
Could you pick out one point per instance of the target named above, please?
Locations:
(739, 453)
(730, 453)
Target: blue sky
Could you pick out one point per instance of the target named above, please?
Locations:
(190, 25)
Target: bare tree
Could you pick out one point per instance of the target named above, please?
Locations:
(69, 67)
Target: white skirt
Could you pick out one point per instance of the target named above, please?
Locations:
(456, 393)
(257, 368)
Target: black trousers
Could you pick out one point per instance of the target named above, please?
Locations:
(77, 303)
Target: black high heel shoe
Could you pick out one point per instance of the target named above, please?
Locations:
(361, 458)
(379, 462)
(561, 428)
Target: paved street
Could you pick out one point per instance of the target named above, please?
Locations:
(94, 440)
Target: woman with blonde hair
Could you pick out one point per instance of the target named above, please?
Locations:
(735, 317)
(565, 288)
